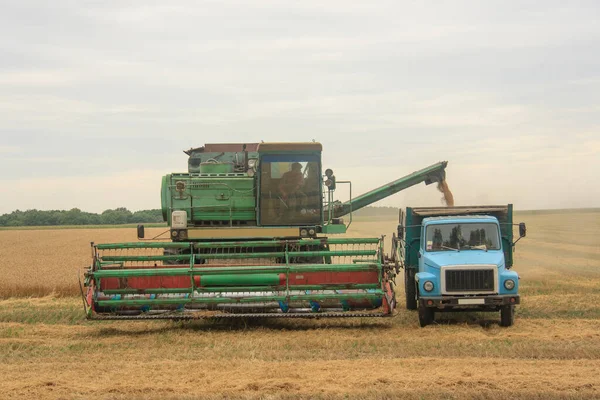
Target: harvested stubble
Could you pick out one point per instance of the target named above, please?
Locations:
(43, 262)
(48, 350)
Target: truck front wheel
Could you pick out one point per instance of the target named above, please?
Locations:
(426, 316)
(507, 315)
(410, 288)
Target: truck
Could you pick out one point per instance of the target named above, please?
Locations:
(249, 234)
(459, 259)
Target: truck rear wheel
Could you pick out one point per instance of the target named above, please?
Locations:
(507, 315)
(426, 316)
(410, 289)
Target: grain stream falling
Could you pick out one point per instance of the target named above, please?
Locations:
(448, 198)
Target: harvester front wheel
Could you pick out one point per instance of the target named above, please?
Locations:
(410, 288)
(426, 316)
(507, 315)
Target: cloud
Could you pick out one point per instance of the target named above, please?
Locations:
(9, 150)
(40, 78)
(135, 189)
(504, 90)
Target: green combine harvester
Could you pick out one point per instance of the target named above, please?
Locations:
(249, 228)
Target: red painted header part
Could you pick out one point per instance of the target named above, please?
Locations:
(183, 282)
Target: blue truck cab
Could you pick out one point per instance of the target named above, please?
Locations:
(460, 259)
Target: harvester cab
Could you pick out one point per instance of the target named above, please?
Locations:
(248, 236)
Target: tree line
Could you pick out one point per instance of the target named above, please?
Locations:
(119, 216)
(75, 216)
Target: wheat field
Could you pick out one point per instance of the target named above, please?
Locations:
(48, 349)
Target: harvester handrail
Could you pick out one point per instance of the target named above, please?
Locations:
(212, 245)
(182, 257)
(143, 245)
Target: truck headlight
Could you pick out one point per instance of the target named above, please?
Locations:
(509, 284)
(428, 286)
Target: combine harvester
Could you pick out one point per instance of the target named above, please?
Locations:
(249, 228)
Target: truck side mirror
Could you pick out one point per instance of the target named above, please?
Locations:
(400, 231)
(522, 229)
(140, 231)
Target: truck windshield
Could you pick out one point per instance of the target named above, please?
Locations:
(467, 236)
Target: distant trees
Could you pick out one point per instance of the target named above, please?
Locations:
(456, 238)
(75, 216)
(122, 215)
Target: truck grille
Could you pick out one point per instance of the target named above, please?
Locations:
(469, 280)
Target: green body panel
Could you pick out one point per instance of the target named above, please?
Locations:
(334, 229)
(218, 168)
(165, 200)
(142, 245)
(415, 216)
(226, 198)
(240, 280)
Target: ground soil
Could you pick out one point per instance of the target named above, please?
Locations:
(49, 350)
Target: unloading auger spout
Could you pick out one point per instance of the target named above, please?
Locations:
(431, 174)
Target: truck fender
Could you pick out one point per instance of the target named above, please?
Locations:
(504, 275)
(421, 278)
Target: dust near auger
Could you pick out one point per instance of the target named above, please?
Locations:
(448, 197)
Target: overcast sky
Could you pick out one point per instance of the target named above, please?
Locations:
(98, 99)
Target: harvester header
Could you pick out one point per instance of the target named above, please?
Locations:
(248, 236)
